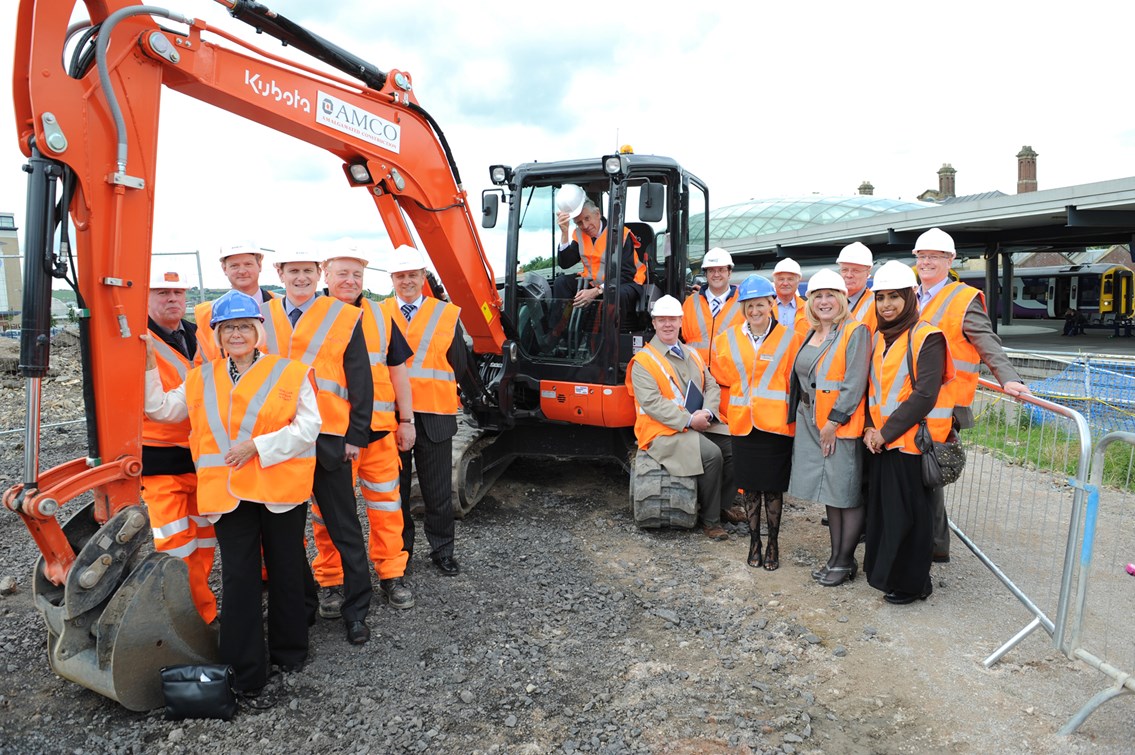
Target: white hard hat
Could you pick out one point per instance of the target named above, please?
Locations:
(893, 276)
(344, 249)
(935, 240)
(404, 258)
(716, 257)
(856, 253)
(826, 279)
(667, 306)
(304, 254)
(242, 247)
(167, 280)
(570, 199)
(787, 265)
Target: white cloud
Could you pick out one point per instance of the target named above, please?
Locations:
(758, 100)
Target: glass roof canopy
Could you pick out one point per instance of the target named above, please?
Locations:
(762, 216)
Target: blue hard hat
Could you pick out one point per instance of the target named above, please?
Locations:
(755, 287)
(235, 305)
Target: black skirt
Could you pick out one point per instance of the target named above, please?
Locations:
(900, 524)
(762, 461)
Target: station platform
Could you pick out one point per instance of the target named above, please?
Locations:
(1047, 335)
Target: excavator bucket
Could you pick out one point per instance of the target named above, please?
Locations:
(122, 614)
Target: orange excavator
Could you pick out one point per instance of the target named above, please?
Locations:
(544, 378)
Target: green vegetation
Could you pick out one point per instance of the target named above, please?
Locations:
(1045, 441)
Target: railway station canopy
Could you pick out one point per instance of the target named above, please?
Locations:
(814, 229)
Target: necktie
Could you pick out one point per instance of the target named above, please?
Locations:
(294, 316)
(714, 306)
(179, 341)
(408, 311)
(676, 350)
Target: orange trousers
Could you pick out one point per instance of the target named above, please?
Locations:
(377, 473)
(181, 532)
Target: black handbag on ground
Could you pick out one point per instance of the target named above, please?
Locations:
(942, 461)
(198, 691)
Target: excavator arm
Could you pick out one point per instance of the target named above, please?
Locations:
(91, 126)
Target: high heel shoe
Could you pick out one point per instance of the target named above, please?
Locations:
(818, 574)
(837, 575)
(755, 560)
(772, 556)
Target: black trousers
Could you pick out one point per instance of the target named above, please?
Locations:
(434, 461)
(241, 534)
(335, 494)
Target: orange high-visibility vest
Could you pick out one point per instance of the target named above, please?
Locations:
(319, 341)
(172, 367)
(700, 329)
(830, 372)
(375, 329)
(947, 311)
(758, 379)
(430, 334)
(865, 312)
(591, 254)
(202, 314)
(891, 384)
(219, 411)
(646, 428)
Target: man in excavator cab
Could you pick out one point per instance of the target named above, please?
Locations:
(242, 265)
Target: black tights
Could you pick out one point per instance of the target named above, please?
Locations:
(844, 528)
(772, 506)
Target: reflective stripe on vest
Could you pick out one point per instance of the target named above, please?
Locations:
(430, 335)
(264, 399)
(891, 384)
(378, 344)
(709, 326)
(830, 373)
(763, 405)
(172, 368)
(947, 311)
(647, 428)
(319, 341)
(591, 255)
(864, 310)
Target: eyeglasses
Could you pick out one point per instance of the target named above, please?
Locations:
(244, 328)
(920, 256)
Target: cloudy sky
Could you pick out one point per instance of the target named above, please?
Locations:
(758, 99)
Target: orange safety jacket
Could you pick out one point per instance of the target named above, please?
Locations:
(758, 379)
(202, 314)
(375, 330)
(646, 428)
(947, 311)
(430, 334)
(319, 341)
(172, 367)
(591, 255)
(865, 311)
(891, 384)
(263, 400)
(830, 372)
(700, 329)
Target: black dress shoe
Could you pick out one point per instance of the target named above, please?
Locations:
(358, 633)
(903, 598)
(447, 565)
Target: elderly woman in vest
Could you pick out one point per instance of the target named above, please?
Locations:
(829, 381)
(909, 365)
(254, 419)
(754, 360)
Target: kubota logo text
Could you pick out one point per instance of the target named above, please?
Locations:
(272, 89)
(348, 119)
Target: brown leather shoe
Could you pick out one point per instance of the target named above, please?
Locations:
(716, 532)
(734, 515)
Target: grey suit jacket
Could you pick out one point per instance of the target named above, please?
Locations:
(678, 453)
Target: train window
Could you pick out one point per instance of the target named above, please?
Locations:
(1107, 286)
(1089, 295)
(1034, 289)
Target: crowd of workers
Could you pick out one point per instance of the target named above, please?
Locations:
(268, 402)
(820, 398)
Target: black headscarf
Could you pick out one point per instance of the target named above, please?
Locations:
(906, 320)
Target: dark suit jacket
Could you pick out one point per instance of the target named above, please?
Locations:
(329, 449)
(441, 427)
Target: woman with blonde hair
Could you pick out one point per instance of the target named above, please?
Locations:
(829, 386)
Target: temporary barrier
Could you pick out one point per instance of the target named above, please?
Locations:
(1018, 502)
(1100, 633)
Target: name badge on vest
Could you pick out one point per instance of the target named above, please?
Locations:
(766, 357)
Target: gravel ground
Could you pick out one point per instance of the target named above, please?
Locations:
(569, 630)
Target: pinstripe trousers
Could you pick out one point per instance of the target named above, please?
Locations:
(434, 461)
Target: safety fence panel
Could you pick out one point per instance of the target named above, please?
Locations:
(1100, 631)
(1099, 386)
(1017, 504)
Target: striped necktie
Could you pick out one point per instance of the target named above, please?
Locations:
(408, 311)
(714, 306)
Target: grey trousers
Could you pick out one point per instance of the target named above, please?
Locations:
(717, 465)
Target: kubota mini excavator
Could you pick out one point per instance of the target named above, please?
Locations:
(544, 379)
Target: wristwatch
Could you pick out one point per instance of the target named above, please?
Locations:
(406, 421)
